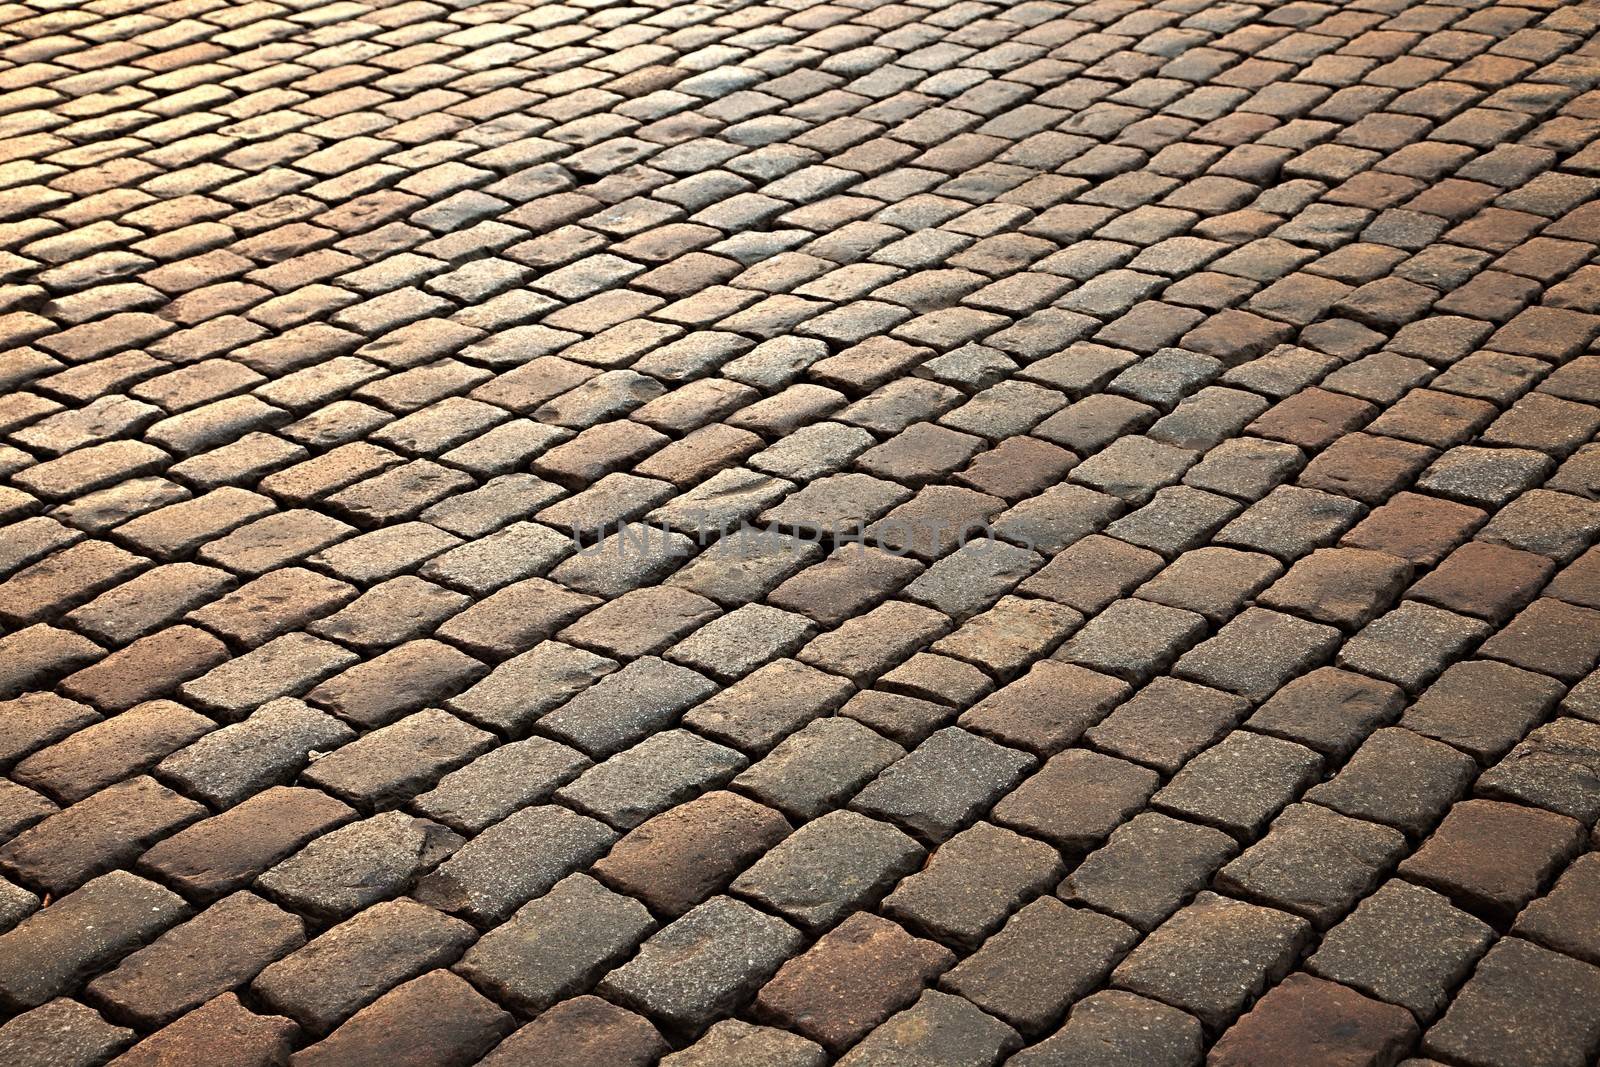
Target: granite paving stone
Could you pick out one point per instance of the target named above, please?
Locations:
(1405, 945)
(1129, 1028)
(1521, 1001)
(702, 964)
(1213, 957)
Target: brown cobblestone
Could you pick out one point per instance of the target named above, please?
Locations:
(1307, 1020)
(853, 978)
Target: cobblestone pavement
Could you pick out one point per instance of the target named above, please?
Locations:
(353, 350)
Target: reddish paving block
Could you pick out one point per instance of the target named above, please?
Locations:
(150, 667)
(223, 853)
(352, 964)
(1367, 467)
(1092, 573)
(1167, 722)
(1551, 637)
(1564, 918)
(1214, 582)
(1484, 580)
(106, 752)
(1419, 528)
(1018, 467)
(1482, 707)
(1341, 586)
(1312, 419)
(853, 978)
(217, 951)
(1576, 583)
(846, 583)
(578, 1032)
(221, 1031)
(35, 720)
(97, 834)
(679, 858)
(1305, 1020)
(1491, 858)
(45, 590)
(1329, 710)
(437, 1020)
(272, 604)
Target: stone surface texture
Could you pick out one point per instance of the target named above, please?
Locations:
(777, 533)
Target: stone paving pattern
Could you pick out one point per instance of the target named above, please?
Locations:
(1263, 732)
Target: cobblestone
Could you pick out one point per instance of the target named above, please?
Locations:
(797, 533)
(1405, 945)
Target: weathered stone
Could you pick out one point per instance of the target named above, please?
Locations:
(704, 964)
(732, 1043)
(831, 866)
(854, 977)
(1148, 868)
(578, 1032)
(433, 1021)
(61, 1033)
(556, 945)
(53, 949)
(216, 952)
(1405, 945)
(1521, 1001)
(358, 865)
(1047, 956)
(352, 964)
(1304, 1020)
(1123, 1027)
(222, 1031)
(513, 861)
(682, 856)
(1313, 862)
(1212, 957)
(939, 1030)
